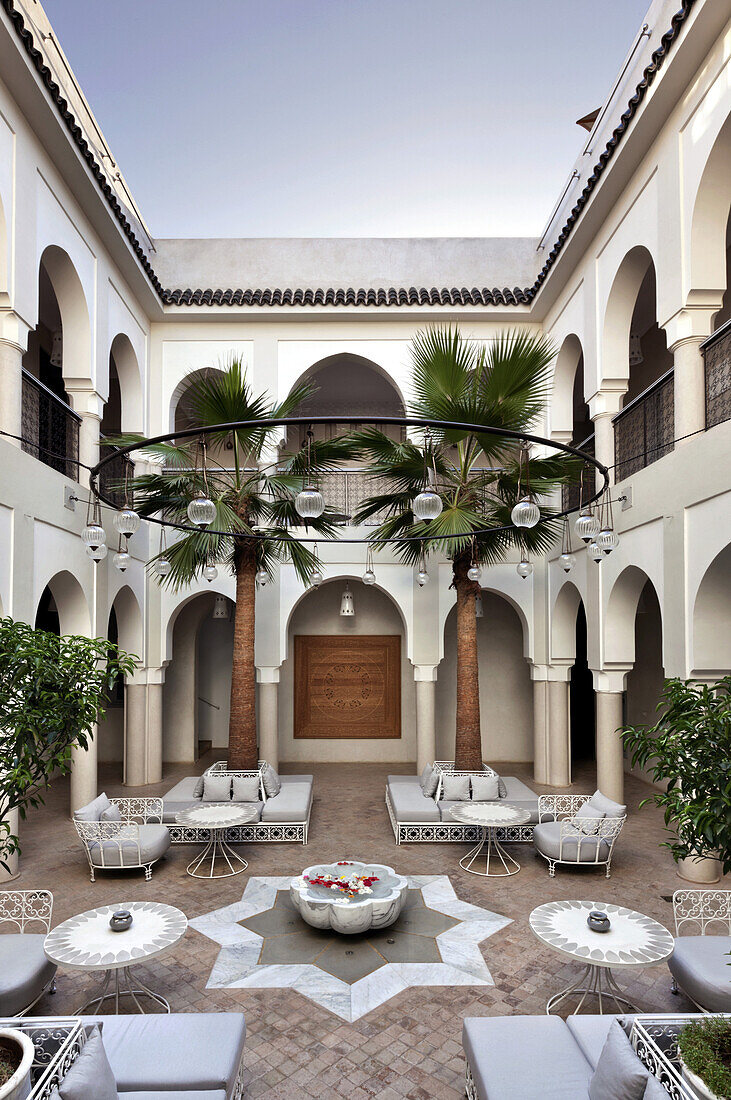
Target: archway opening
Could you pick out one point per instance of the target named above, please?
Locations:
(711, 618)
(184, 415)
(582, 717)
(646, 677)
(47, 613)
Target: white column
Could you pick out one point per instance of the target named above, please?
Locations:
(143, 711)
(604, 407)
(425, 677)
(689, 387)
(90, 407)
(551, 733)
(608, 693)
(11, 388)
(268, 714)
(84, 772)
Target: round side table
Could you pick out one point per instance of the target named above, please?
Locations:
(490, 816)
(633, 940)
(86, 942)
(217, 817)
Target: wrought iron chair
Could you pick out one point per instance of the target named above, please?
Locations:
(138, 840)
(558, 839)
(700, 963)
(25, 972)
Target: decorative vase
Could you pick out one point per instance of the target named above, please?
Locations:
(18, 1087)
(120, 921)
(705, 870)
(598, 922)
(700, 1087)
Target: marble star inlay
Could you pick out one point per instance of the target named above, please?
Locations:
(266, 945)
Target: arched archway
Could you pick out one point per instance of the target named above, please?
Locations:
(124, 628)
(569, 647)
(506, 696)
(182, 415)
(711, 652)
(63, 607)
(73, 310)
(570, 419)
(348, 385)
(708, 242)
(123, 362)
(619, 625)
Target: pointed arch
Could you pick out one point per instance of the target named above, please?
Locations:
(75, 316)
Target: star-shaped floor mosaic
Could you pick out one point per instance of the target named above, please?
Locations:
(265, 944)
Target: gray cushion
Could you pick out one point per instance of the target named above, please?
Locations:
(455, 788)
(24, 970)
(112, 813)
(426, 775)
(518, 794)
(699, 966)
(246, 788)
(291, 804)
(611, 809)
(415, 780)
(92, 811)
(586, 819)
(90, 1077)
(485, 788)
(181, 797)
(619, 1074)
(216, 788)
(547, 839)
(590, 1032)
(502, 789)
(181, 1052)
(198, 787)
(409, 804)
(654, 1090)
(154, 841)
(185, 1094)
(272, 782)
(525, 1058)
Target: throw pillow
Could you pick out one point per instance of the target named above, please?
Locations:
(90, 1076)
(456, 788)
(272, 782)
(93, 811)
(429, 786)
(609, 808)
(502, 789)
(619, 1074)
(246, 788)
(485, 788)
(586, 819)
(112, 813)
(654, 1090)
(216, 788)
(198, 789)
(425, 777)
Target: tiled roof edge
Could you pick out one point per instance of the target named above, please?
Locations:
(393, 296)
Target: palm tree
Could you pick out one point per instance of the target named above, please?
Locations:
(477, 476)
(255, 496)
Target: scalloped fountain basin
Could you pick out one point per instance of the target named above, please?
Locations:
(325, 907)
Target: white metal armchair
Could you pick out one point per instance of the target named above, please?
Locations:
(138, 840)
(25, 972)
(561, 837)
(700, 961)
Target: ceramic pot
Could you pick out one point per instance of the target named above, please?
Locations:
(702, 1090)
(18, 1087)
(598, 922)
(120, 921)
(701, 869)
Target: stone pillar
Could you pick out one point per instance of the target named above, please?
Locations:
(540, 724)
(84, 773)
(90, 407)
(11, 388)
(268, 714)
(604, 407)
(551, 733)
(425, 677)
(689, 387)
(608, 693)
(143, 710)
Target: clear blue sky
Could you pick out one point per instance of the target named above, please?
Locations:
(308, 118)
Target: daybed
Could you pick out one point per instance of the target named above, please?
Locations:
(281, 817)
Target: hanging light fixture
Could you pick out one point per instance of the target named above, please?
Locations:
(635, 350)
(201, 510)
(262, 577)
(369, 577)
(524, 568)
(121, 559)
(526, 512)
(567, 559)
(347, 604)
(427, 504)
(316, 577)
(210, 572)
(479, 611)
(607, 539)
(309, 502)
(162, 564)
(126, 521)
(422, 576)
(586, 525)
(93, 536)
(221, 608)
(595, 552)
(98, 553)
(474, 572)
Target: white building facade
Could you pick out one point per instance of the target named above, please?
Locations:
(99, 332)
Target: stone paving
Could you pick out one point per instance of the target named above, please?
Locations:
(410, 1046)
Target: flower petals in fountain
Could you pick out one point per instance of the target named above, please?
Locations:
(349, 896)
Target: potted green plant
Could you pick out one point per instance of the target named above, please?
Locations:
(689, 751)
(16, 1059)
(52, 692)
(705, 1053)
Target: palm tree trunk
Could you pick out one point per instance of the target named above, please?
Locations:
(242, 749)
(468, 741)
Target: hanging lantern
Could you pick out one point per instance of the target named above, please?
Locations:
(567, 562)
(427, 505)
(163, 567)
(201, 510)
(369, 577)
(347, 604)
(97, 553)
(474, 572)
(93, 536)
(479, 612)
(126, 522)
(316, 578)
(524, 568)
(595, 552)
(221, 608)
(587, 525)
(422, 577)
(309, 503)
(121, 560)
(607, 540)
(526, 513)
(567, 559)
(635, 350)
(210, 572)
(262, 577)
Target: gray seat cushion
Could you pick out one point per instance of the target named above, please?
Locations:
(24, 970)
(517, 794)
(186, 1094)
(184, 1052)
(409, 804)
(547, 839)
(414, 780)
(291, 804)
(524, 1058)
(699, 965)
(590, 1032)
(154, 841)
(180, 797)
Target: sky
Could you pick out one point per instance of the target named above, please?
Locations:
(333, 118)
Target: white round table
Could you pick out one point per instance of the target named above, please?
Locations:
(217, 817)
(490, 816)
(86, 942)
(633, 940)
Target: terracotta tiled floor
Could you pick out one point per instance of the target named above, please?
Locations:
(409, 1047)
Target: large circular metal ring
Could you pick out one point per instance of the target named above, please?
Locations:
(399, 421)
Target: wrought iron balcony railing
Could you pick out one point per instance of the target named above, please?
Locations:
(50, 429)
(345, 490)
(645, 428)
(111, 476)
(570, 494)
(717, 359)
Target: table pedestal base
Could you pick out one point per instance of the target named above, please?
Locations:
(491, 848)
(217, 848)
(594, 981)
(122, 988)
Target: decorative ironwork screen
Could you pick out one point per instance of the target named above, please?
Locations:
(345, 490)
(717, 358)
(50, 429)
(570, 494)
(111, 477)
(644, 430)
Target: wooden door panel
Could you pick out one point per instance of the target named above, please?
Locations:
(347, 687)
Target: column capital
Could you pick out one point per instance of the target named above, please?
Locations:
(84, 400)
(694, 321)
(558, 671)
(610, 681)
(142, 676)
(267, 674)
(14, 331)
(425, 673)
(607, 402)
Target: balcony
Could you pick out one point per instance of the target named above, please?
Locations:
(345, 491)
(570, 494)
(717, 359)
(50, 429)
(645, 428)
